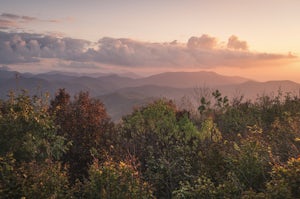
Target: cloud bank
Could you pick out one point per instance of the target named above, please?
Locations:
(25, 47)
(198, 52)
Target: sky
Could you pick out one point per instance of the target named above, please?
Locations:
(255, 39)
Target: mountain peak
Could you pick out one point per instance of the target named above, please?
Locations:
(192, 79)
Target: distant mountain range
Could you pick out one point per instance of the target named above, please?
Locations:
(120, 93)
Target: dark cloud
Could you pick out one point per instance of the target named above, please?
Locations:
(12, 21)
(198, 52)
(10, 16)
(28, 18)
(9, 20)
(17, 18)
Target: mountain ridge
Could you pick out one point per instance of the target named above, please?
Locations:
(199, 78)
(120, 94)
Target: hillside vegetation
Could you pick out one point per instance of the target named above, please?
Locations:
(68, 147)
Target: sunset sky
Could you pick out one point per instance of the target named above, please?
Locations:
(251, 38)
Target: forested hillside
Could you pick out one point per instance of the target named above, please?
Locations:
(68, 147)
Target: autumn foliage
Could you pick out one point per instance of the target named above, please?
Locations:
(67, 147)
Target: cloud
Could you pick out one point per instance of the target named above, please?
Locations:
(28, 18)
(77, 65)
(198, 53)
(203, 42)
(236, 44)
(13, 21)
(10, 16)
(8, 20)
(55, 34)
(4, 68)
(54, 21)
(24, 47)
(131, 53)
(16, 17)
(5, 24)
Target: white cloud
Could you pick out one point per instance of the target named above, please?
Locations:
(236, 44)
(203, 42)
(198, 52)
(23, 47)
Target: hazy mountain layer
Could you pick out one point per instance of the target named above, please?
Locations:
(120, 94)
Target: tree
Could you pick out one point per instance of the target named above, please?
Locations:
(85, 123)
(30, 148)
(165, 145)
(237, 118)
(27, 130)
(204, 187)
(208, 109)
(112, 179)
(283, 136)
(285, 180)
(251, 161)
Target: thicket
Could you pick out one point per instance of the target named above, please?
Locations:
(69, 148)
